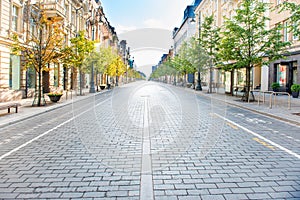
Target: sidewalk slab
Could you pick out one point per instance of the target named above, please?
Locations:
(26, 110)
(279, 111)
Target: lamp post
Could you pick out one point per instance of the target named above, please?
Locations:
(198, 84)
(92, 83)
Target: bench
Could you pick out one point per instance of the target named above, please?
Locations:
(9, 105)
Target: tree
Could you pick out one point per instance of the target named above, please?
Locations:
(116, 68)
(198, 58)
(294, 18)
(76, 54)
(41, 45)
(247, 42)
(210, 40)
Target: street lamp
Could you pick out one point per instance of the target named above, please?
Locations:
(198, 84)
(92, 83)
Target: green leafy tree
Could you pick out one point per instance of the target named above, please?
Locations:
(76, 54)
(247, 42)
(209, 40)
(295, 16)
(41, 46)
(198, 58)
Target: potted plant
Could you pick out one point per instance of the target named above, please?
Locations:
(102, 86)
(54, 96)
(275, 86)
(295, 88)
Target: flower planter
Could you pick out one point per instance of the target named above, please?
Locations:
(102, 87)
(54, 98)
(295, 94)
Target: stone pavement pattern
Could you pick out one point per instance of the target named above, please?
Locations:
(98, 153)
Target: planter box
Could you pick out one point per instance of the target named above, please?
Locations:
(102, 87)
(295, 94)
(54, 98)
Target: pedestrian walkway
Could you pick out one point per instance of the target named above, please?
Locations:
(26, 110)
(279, 109)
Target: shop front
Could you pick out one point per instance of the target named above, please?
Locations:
(285, 73)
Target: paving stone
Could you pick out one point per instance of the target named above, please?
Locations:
(206, 186)
(258, 196)
(197, 192)
(280, 195)
(5, 195)
(227, 185)
(94, 194)
(212, 197)
(247, 184)
(267, 183)
(117, 193)
(263, 189)
(166, 197)
(28, 195)
(235, 196)
(283, 188)
(295, 194)
(241, 190)
(219, 191)
(185, 186)
(175, 192)
(189, 198)
(50, 195)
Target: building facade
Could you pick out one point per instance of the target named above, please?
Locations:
(17, 82)
(285, 71)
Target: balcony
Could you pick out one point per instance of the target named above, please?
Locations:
(52, 8)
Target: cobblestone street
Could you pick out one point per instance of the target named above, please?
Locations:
(148, 140)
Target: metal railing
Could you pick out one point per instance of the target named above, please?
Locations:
(275, 94)
(272, 101)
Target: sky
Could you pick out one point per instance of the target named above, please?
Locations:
(146, 25)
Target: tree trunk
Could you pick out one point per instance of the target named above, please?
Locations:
(39, 88)
(80, 82)
(247, 89)
(210, 75)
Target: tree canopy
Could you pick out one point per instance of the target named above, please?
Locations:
(42, 45)
(247, 42)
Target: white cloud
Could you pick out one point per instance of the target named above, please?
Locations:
(123, 28)
(153, 23)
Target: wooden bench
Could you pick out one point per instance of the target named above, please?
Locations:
(9, 105)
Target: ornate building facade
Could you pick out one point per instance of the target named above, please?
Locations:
(76, 15)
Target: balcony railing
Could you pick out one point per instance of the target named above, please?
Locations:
(53, 8)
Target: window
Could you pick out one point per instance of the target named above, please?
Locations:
(281, 74)
(295, 72)
(15, 18)
(31, 78)
(295, 36)
(56, 75)
(14, 72)
(279, 2)
(285, 32)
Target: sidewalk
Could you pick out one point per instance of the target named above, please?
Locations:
(26, 110)
(279, 109)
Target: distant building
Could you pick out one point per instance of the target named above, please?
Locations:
(186, 29)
